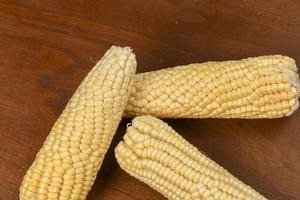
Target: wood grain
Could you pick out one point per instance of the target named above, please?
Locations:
(47, 47)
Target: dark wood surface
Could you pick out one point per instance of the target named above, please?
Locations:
(47, 47)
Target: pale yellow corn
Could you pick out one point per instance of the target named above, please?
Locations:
(67, 164)
(158, 156)
(258, 87)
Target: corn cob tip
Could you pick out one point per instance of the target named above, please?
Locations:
(122, 49)
(122, 53)
(292, 77)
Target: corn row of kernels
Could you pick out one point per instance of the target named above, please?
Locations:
(67, 164)
(155, 154)
(261, 87)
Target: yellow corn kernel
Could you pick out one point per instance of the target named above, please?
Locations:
(158, 156)
(63, 168)
(197, 90)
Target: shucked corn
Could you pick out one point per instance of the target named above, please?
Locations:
(258, 87)
(155, 154)
(67, 164)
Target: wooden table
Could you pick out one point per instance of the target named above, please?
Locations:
(47, 47)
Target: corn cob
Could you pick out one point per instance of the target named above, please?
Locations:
(67, 164)
(158, 156)
(258, 87)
